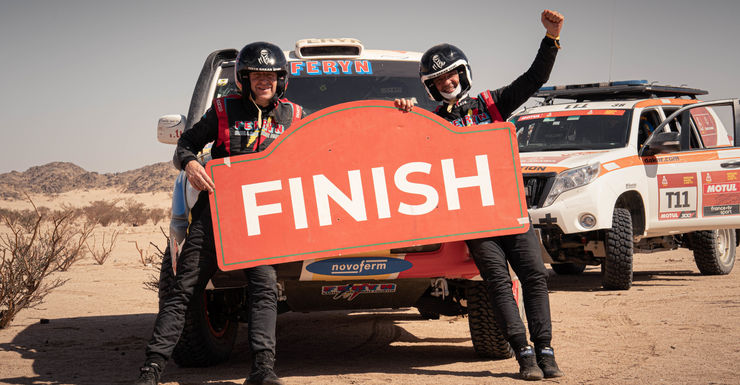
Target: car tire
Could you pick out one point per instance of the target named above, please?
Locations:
(568, 268)
(616, 270)
(208, 336)
(714, 250)
(488, 341)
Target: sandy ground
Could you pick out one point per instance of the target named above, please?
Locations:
(674, 326)
(83, 198)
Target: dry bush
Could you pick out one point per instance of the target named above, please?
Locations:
(26, 219)
(147, 258)
(29, 255)
(103, 212)
(100, 255)
(73, 247)
(157, 215)
(75, 213)
(134, 213)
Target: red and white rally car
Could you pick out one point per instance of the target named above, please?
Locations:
(631, 167)
(436, 279)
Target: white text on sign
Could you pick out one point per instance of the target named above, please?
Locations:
(354, 204)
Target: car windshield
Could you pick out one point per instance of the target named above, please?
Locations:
(572, 130)
(323, 83)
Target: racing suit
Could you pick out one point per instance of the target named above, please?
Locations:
(236, 126)
(522, 251)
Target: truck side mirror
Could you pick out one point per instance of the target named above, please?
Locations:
(663, 143)
(170, 127)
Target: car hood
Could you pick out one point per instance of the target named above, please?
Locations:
(562, 160)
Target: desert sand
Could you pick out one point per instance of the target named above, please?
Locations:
(674, 326)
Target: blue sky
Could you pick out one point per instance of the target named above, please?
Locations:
(86, 81)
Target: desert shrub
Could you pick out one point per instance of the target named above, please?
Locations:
(158, 215)
(103, 212)
(75, 213)
(26, 219)
(28, 257)
(147, 257)
(72, 247)
(134, 213)
(102, 253)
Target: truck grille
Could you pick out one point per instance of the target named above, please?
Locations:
(536, 187)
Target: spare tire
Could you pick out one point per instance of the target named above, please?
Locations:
(488, 341)
(208, 336)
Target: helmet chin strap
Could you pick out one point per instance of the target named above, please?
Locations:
(454, 97)
(453, 94)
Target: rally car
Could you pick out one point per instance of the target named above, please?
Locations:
(630, 167)
(436, 279)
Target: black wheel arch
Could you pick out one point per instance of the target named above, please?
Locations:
(633, 202)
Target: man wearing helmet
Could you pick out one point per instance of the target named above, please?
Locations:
(446, 75)
(237, 124)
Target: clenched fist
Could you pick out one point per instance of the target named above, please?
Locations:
(553, 22)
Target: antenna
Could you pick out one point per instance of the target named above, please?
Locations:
(611, 44)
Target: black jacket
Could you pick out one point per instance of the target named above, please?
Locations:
(496, 106)
(232, 123)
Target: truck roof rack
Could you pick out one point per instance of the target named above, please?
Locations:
(628, 89)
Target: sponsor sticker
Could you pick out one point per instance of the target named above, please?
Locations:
(358, 266)
(678, 196)
(331, 67)
(350, 291)
(575, 114)
(720, 193)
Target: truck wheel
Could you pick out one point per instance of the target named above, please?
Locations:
(714, 251)
(166, 276)
(208, 336)
(616, 269)
(568, 268)
(488, 341)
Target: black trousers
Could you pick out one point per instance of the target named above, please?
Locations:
(195, 267)
(522, 251)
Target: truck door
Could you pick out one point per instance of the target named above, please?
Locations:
(692, 161)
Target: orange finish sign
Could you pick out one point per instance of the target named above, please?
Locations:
(363, 176)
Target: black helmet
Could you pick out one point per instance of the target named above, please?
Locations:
(440, 59)
(261, 56)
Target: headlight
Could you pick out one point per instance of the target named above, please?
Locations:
(570, 179)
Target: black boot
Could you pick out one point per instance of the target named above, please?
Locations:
(528, 368)
(546, 362)
(149, 374)
(262, 370)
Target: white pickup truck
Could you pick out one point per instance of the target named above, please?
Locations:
(631, 167)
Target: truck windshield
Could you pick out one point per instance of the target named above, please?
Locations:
(319, 84)
(572, 130)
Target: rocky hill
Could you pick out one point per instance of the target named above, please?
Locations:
(60, 177)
